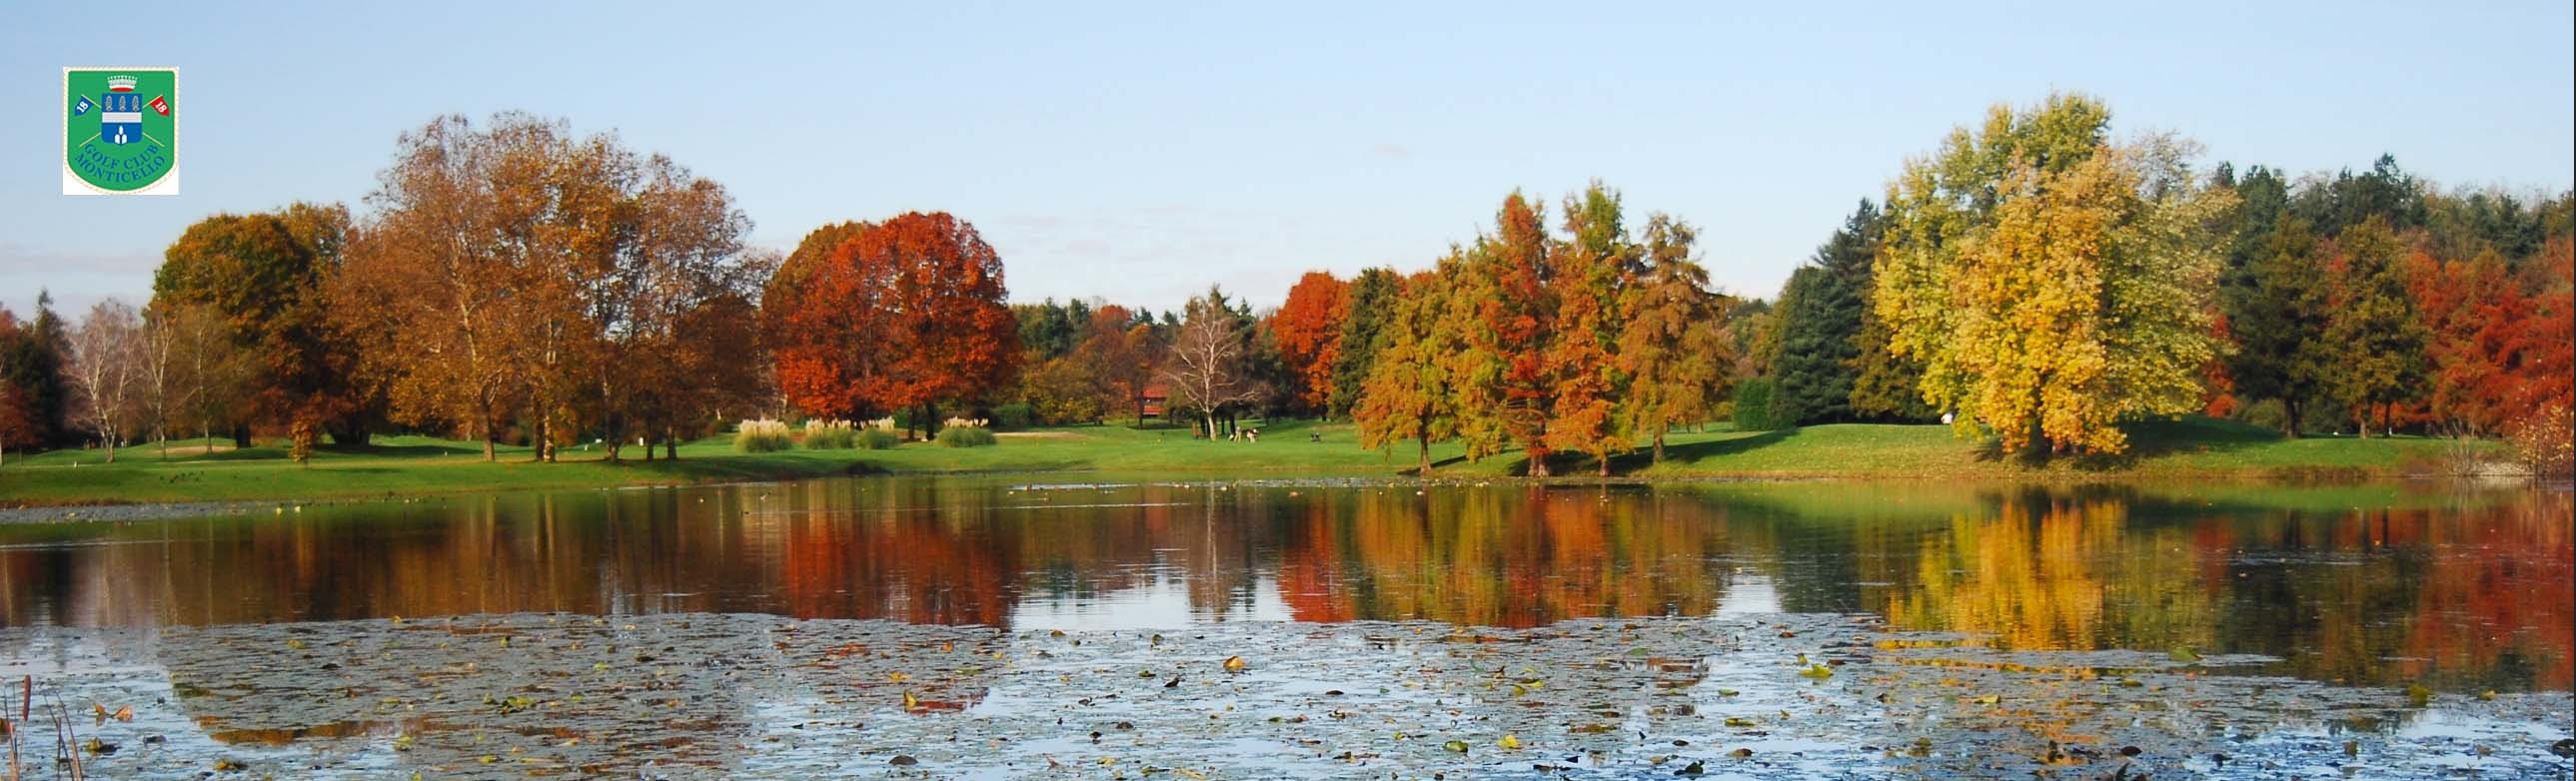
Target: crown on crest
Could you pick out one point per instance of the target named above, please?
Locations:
(120, 84)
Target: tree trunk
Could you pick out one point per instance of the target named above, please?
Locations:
(1659, 445)
(1425, 471)
(488, 456)
(1209, 416)
(2290, 419)
(241, 436)
(670, 444)
(111, 447)
(1537, 461)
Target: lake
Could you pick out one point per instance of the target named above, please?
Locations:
(986, 627)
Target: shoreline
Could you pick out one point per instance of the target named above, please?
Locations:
(118, 511)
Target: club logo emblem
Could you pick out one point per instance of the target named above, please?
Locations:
(120, 131)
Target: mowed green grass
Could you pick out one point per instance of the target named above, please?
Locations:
(411, 465)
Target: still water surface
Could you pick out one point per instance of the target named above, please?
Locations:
(2318, 591)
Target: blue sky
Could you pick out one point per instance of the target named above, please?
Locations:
(1142, 152)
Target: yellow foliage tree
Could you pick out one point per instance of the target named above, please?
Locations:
(2052, 284)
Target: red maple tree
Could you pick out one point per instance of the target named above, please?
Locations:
(908, 313)
(1309, 328)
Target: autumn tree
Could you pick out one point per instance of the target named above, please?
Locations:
(435, 289)
(1209, 368)
(266, 275)
(1670, 350)
(905, 314)
(32, 364)
(520, 272)
(107, 353)
(1411, 392)
(17, 418)
(2052, 284)
(209, 377)
(1309, 329)
(2475, 317)
(1507, 394)
(2375, 342)
(671, 311)
(1588, 273)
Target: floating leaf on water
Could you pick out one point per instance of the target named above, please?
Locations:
(1692, 769)
(1738, 721)
(1235, 664)
(1455, 746)
(1727, 692)
(2130, 683)
(911, 702)
(903, 760)
(294, 643)
(2183, 653)
(1990, 699)
(1509, 742)
(2417, 696)
(1740, 753)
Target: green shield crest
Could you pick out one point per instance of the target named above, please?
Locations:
(120, 131)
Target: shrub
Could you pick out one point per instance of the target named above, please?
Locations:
(1753, 405)
(830, 435)
(1016, 414)
(2546, 443)
(761, 436)
(965, 433)
(874, 438)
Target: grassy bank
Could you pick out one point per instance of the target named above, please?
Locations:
(407, 466)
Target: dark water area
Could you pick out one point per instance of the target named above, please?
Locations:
(2164, 595)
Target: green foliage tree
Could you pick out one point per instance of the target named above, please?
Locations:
(1412, 392)
(2278, 312)
(2374, 341)
(1372, 301)
(1817, 366)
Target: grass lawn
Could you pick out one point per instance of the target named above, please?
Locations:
(411, 465)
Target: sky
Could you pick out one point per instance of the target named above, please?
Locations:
(1142, 152)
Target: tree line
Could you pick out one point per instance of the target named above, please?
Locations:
(2043, 282)
(2033, 279)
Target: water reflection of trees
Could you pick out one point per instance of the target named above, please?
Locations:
(1515, 558)
(2463, 597)
(2465, 594)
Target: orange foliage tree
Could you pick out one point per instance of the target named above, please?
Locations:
(904, 314)
(1309, 328)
